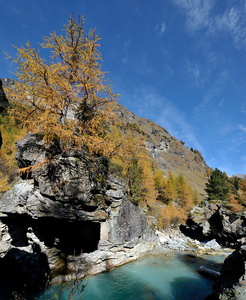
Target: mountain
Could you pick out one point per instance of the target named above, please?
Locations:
(167, 152)
(238, 175)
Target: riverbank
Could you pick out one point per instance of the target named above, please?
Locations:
(174, 240)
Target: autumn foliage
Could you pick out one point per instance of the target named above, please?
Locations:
(63, 95)
(177, 196)
(10, 132)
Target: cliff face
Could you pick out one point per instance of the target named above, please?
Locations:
(68, 218)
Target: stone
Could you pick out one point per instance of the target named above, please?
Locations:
(212, 245)
(228, 227)
(215, 222)
(4, 247)
(232, 282)
(126, 223)
(29, 151)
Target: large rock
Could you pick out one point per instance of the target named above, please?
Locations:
(215, 222)
(69, 215)
(232, 282)
(228, 227)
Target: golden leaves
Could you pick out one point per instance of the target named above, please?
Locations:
(52, 93)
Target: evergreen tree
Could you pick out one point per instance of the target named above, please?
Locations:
(235, 182)
(216, 187)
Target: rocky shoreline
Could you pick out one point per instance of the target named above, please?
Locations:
(173, 239)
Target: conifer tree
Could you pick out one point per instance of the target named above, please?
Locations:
(148, 190)
(195, 197)
(160, 185)
(170, 191)
(217, 187)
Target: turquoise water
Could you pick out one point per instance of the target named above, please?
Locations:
(170, 277)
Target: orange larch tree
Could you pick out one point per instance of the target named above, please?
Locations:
(66, 96)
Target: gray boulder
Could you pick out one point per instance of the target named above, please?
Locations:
(215, 222)
(227, 226)
(232, 282)
(212, 245)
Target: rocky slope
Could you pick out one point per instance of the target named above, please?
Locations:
(168, 153)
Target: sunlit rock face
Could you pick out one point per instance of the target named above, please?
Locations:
(69, 217)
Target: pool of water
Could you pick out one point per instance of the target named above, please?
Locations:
(165, 276)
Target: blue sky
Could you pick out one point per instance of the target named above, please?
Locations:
(180, 63)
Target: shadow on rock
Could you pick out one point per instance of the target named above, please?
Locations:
(21, 270)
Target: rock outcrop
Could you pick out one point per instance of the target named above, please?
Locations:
(67, 217)
(232, 282)
(3, 104)
(214, 221)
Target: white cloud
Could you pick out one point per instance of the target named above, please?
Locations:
(243, 128)
(200, 15)
(233, 22)
(194, 72)
(160, 28)
(163, 28)
(197, 13)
